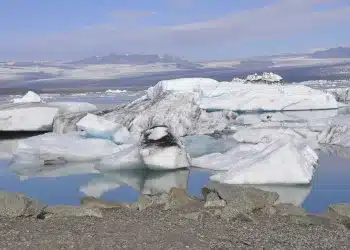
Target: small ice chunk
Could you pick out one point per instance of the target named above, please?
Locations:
(97, 126)
(27, 98)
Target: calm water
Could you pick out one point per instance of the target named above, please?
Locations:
(67, 185)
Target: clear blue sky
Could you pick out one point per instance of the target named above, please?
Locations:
(194, 29)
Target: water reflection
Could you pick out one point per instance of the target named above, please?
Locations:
(144, 182)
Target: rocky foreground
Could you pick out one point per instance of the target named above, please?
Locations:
(229, 217)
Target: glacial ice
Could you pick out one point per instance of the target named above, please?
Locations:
(161, 150)
(70, 147)
(97, 126)
(337, 133)
(265, 77)
(28, 98)
(27, 117)
(283, 153)
(115, 91)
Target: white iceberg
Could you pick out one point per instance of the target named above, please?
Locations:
(115, 91)
(160, 150)
(28, 98)
(69, 147)
(97, 126)
(265, 77)
(27, 117)
(71, 107)
(281, 157)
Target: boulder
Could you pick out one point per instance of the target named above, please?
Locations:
(178, 198)
(339, 212)
(14, 205)
(93, 202)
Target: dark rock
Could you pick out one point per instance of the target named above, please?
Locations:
(340, 213)
(18, 205)
(244, 199)
(178, 198)
(146, 201)
(289, 209)
(212, 198)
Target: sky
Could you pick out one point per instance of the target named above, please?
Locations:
(192, 29)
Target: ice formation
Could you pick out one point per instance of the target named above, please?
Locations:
(265, 77)
(28, 98)
(115, 91)
(27, 117)
(72, 107)
(162, 150)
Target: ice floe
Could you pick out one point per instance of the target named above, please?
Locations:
(274, 157)
(337, 133)
(265, 77)
(115, 91)
(72, 147)
(27, 117)
(28, 98)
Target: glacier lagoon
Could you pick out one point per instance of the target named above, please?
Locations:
(69, 184)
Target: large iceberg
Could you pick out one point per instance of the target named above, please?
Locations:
(236, 96)
(28, 98)
(277, 157)
(27, 117)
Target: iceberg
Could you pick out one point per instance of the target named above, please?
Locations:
(115, 91)
(278, 157)
(27, 117)
(28, 98)
(160, 150)
(97, 126)
(265, 77)
(71, 147)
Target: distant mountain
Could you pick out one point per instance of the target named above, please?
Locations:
(339, 52)
(138, 59)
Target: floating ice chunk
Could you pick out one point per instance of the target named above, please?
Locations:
(97, 126)
(71, 147)
(27, 98)
(126, 158)
(258, 97)
(70, 107)
(115, 91)
(283, 157)
(182, 85)
(164, 152)
(27, 118)
(26, 172)
(337, 132)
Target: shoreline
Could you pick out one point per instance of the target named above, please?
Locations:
(229, 217)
